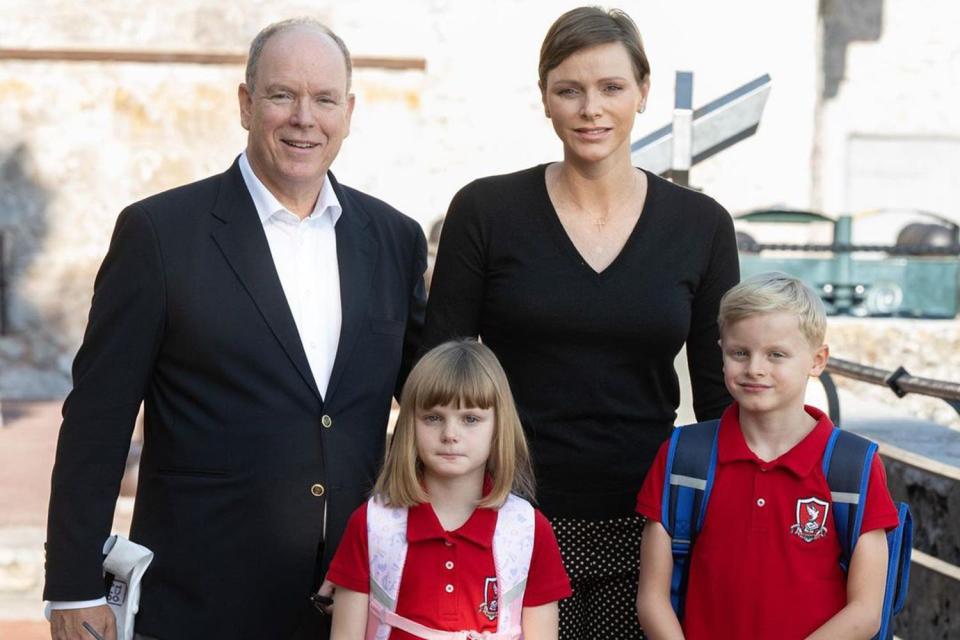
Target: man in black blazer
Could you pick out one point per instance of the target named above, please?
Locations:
(266, 399)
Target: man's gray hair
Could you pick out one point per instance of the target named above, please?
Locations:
(260, 41)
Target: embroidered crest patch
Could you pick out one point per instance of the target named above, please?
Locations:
(811, 521)
(490, 606)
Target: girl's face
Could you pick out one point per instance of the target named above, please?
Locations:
(454, 441)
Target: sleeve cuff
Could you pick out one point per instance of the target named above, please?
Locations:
(887, 524)
(342, 580)
(648, 511)
(547, 596)
(55, 605)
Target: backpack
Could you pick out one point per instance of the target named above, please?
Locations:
(387, 550)
(691, 464)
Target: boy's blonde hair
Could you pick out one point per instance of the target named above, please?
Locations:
(467, 373)
(772, 293)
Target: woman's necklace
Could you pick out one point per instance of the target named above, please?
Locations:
(599, 221)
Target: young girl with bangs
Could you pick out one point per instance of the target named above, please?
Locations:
(447, 549)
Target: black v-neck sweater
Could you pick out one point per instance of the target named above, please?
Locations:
(589, 355)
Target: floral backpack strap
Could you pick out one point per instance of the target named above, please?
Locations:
(512, 550)
(387, 551)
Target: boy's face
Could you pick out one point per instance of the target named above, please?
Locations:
(767, 361)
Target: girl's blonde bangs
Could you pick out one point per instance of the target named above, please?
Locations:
(463, 382)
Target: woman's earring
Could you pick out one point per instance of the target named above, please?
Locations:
(642, 108)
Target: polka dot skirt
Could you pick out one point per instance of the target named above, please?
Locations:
(601, 557)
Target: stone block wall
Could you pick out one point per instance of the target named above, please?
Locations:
(78, 141)
(933, 493)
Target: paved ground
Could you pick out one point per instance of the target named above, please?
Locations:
(27, 443)
(27, 446)
(14, 630)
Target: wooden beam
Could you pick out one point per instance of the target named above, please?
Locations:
(184, 57)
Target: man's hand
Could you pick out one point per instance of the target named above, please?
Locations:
(67, 624)
(327, 589)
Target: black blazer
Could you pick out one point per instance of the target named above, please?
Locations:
(189, 316)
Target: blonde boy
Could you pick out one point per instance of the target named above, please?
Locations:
(766, 562)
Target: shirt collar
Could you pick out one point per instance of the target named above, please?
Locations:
(422, 524)
(801, 459)
(267, 203)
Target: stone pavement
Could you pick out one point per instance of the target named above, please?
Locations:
(27, 444)
(28, 440)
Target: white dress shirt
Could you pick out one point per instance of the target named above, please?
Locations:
(305, 256)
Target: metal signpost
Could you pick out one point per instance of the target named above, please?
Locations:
(698, 134)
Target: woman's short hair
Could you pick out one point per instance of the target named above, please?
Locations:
(466, 373)
(775, 292)
(586, 27)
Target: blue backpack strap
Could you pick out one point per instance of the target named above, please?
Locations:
(691, 463)
(899, 546)
(846, 466)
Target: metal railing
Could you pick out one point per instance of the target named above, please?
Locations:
(900, 381)
(841, 247)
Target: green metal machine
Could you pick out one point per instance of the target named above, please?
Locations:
(917, 276)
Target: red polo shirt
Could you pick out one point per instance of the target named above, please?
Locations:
(447, 574)
(752, 574)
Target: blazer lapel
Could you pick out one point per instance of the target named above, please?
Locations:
(357, 252)
(245, 247)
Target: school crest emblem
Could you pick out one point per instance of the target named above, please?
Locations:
(811, 521)
(491, 601)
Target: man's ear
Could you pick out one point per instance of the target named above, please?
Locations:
(245, 98)
(351, 103)
(820, 357)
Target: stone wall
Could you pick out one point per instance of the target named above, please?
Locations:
(78, 141)
(889, 135)
(933, 493)
(72, 154)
